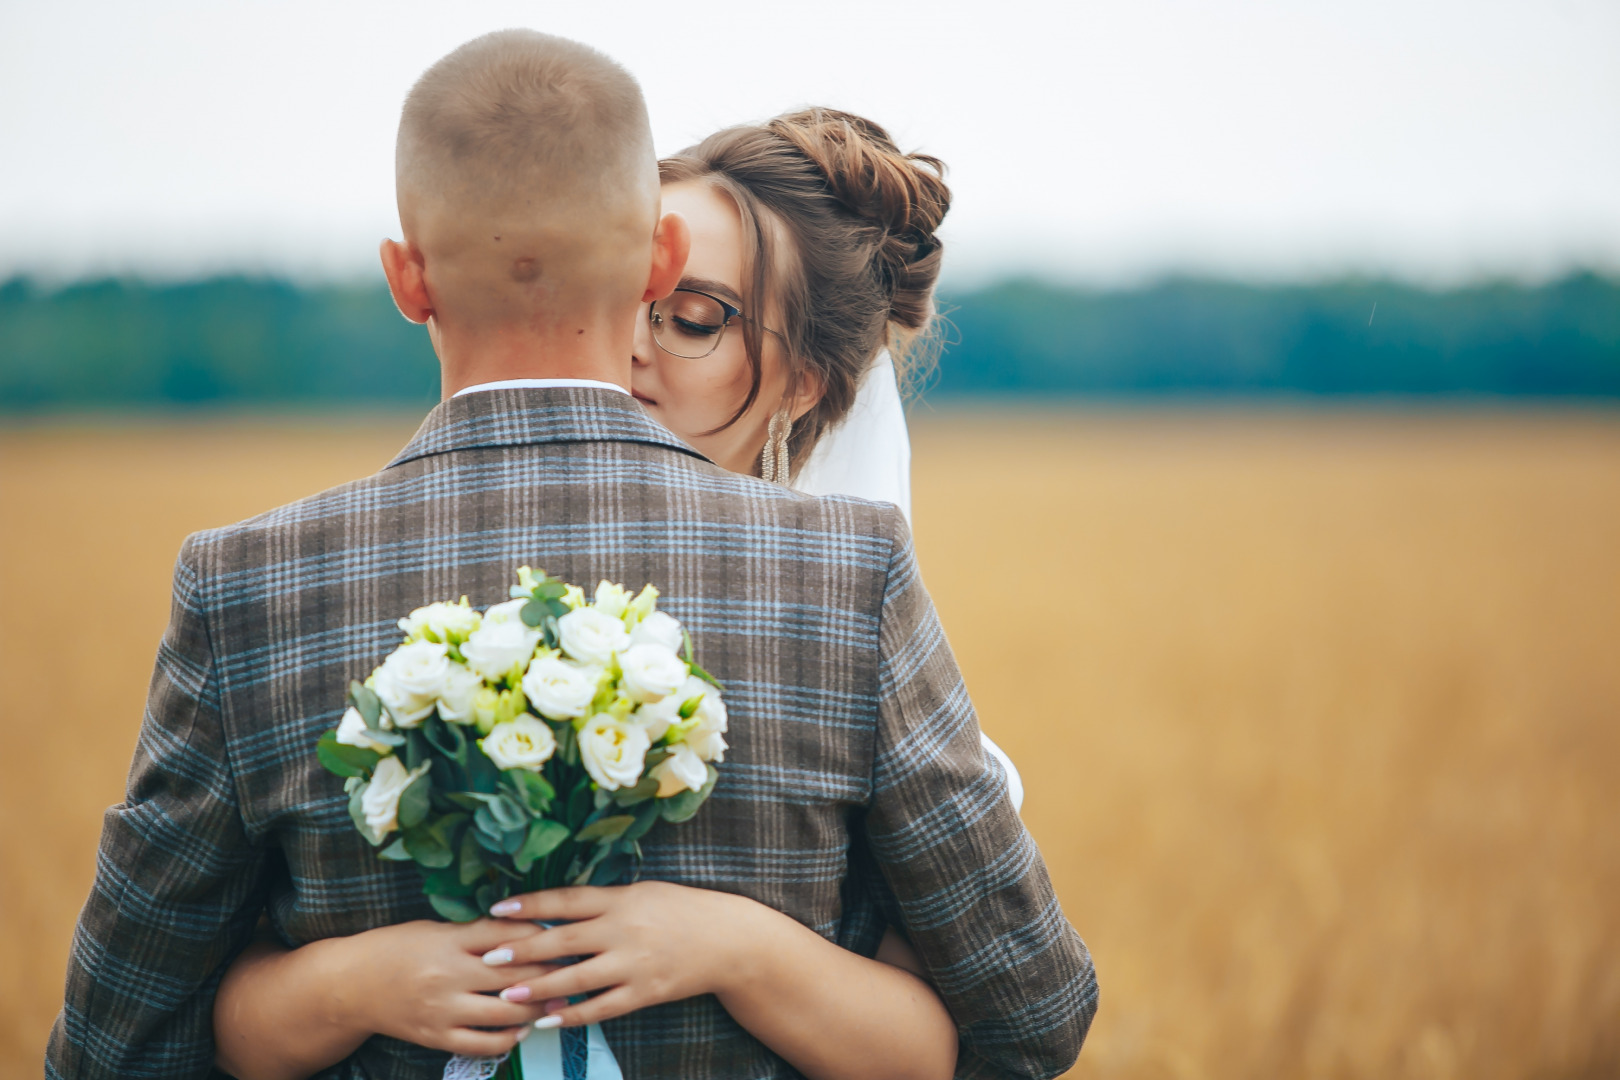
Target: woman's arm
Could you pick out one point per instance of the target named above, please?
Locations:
(832, 1014)
(283, 1015)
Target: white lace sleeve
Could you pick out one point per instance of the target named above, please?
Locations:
(869, 456)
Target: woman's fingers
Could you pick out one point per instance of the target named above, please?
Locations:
(572, 939)
(482, 935)
(483, 1043)
(596, 973)
(557, 905)
(616, 1002)
(488, 1011)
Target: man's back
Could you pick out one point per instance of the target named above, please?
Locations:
(854, 791)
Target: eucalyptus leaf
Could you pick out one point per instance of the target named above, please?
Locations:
(630, 796)
(543, 838)
(482, 774)
(611, 869)
(484, 824)
(343, 759)
(646, 817)
(489, 843)
(357, 812)
(454, 909)
(367, 703)
(509, 812)
(487, 894)
(471, 864)
(414, 802)
(534, 613)
(427, 849)
(680, 807)
(608, 828)
(395, 852)
(417, 748)
(531, 789)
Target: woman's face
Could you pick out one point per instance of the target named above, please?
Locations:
(693, 396)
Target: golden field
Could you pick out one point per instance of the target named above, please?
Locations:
(1319, 714)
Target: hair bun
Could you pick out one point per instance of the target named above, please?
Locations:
(903, 196)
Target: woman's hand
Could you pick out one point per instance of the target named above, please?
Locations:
(427, 984)
(832, 1014)
(284, 1014)
(643, 944)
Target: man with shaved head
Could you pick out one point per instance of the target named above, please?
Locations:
(853, 795)
(528, 194)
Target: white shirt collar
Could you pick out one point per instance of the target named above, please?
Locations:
(539, 384)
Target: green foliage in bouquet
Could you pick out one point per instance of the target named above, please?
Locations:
(528, 746)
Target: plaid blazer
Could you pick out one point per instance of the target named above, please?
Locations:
(854, 793)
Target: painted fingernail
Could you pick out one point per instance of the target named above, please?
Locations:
(524, 1033)
(515, 993)
(548, 1022)
(505, 907)
(497, 957)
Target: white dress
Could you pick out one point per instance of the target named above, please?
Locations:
(869, 456)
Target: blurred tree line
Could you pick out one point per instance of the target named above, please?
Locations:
(241, 341)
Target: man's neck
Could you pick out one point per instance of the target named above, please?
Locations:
(594, 350)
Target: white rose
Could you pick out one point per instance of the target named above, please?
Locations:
(520, 743)
(504, 641)
(560, 689)
(613, 751)
(658, 629)
(705, 736)
(683, 770)
(654, 718)
(352, 729)
(445, 621)
(380, 802)
(651, 672)
(459, 697)
(592, 635)
(411, 680)
(612, 599)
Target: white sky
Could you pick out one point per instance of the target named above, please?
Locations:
(1434, 139)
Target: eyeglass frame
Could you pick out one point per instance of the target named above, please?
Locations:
(732, 311)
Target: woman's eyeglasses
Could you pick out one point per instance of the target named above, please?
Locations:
(690, 324)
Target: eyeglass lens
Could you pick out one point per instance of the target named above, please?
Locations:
(688, 324)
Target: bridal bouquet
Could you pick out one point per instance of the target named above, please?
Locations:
(530, 745)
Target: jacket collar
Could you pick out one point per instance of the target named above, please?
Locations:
(530, 416)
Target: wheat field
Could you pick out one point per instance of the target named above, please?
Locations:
(1319, 713)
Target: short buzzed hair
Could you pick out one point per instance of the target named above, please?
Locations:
(517, 112)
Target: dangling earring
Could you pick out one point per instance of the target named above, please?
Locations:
(773, 463)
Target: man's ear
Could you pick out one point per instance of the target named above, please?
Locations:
(407, 280)
(672, 243)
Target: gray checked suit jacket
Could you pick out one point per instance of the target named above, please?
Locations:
(855, 791)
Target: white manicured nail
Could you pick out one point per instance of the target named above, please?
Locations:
(548, 1022)
(524, 1033)
(497, 957)
(505, 907)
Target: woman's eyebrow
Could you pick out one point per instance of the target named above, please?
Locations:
(718, 288)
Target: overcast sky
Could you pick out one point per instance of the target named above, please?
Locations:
(1432, 139)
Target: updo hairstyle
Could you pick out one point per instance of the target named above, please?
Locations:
(842, 226)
